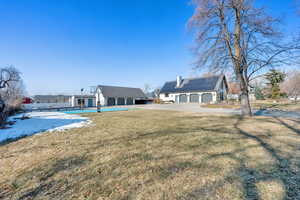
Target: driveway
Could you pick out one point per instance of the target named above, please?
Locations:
(197, 108)
(187, 108)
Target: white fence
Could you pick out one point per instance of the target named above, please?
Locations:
(45, 105)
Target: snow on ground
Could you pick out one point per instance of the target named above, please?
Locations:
(41, 122)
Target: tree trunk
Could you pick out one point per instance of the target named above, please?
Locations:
(296, 99)
(2, 112)
(245, 103)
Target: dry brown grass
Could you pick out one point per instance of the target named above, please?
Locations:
(222, 105)
(261, 104)
(157, 155)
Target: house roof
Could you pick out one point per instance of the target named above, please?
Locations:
(193, 85)
(50, 96)
(115, 91)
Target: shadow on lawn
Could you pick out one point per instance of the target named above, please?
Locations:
(42, 182)
(283, 170)
(295, 130)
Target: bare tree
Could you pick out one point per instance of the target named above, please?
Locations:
(291, 85)
(11, 90)
(147, 88)
(156, 92)
(234, 35)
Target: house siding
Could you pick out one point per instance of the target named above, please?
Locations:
(74, 101)
(172, 96)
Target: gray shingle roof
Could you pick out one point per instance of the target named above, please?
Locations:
(114, 91)
(47, 97)
(191, 85)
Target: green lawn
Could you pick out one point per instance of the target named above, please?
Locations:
(145, 154)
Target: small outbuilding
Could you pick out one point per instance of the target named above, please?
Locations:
(195, 90)
(114, 95)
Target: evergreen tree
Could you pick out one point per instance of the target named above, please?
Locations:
(274, 78)
(258, 93)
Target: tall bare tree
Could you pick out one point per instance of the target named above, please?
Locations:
(235, 35)
(11, 90)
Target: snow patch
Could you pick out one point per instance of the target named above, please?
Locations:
(41, 122)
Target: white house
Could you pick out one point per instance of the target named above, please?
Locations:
(113, 95)
(195, 90)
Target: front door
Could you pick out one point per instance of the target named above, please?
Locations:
(90, 103)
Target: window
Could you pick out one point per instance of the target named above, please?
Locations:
(80, 101)
(167, 94)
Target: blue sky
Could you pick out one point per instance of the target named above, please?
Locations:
(61, 46)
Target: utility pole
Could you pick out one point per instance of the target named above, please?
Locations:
(98, 100)
(81, 99)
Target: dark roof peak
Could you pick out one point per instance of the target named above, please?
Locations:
(117, 91)
(117, 86)
(198, 84)
(199, 77)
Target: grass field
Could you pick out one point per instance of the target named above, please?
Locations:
(262, 104)
(157, 155)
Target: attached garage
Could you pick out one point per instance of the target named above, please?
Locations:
(129, 101)
(121, 101)
(207, 98)
(183, 98)
(208, 89)
(111, 101)
(194, 98)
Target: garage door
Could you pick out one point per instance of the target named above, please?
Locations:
(182, 98)
(111, 101)
(194, 98)
(121, 101)
(129, 101)
(206, 98)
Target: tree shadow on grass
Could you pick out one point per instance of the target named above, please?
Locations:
(41, 180)
(283, 170)
(295, 130)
